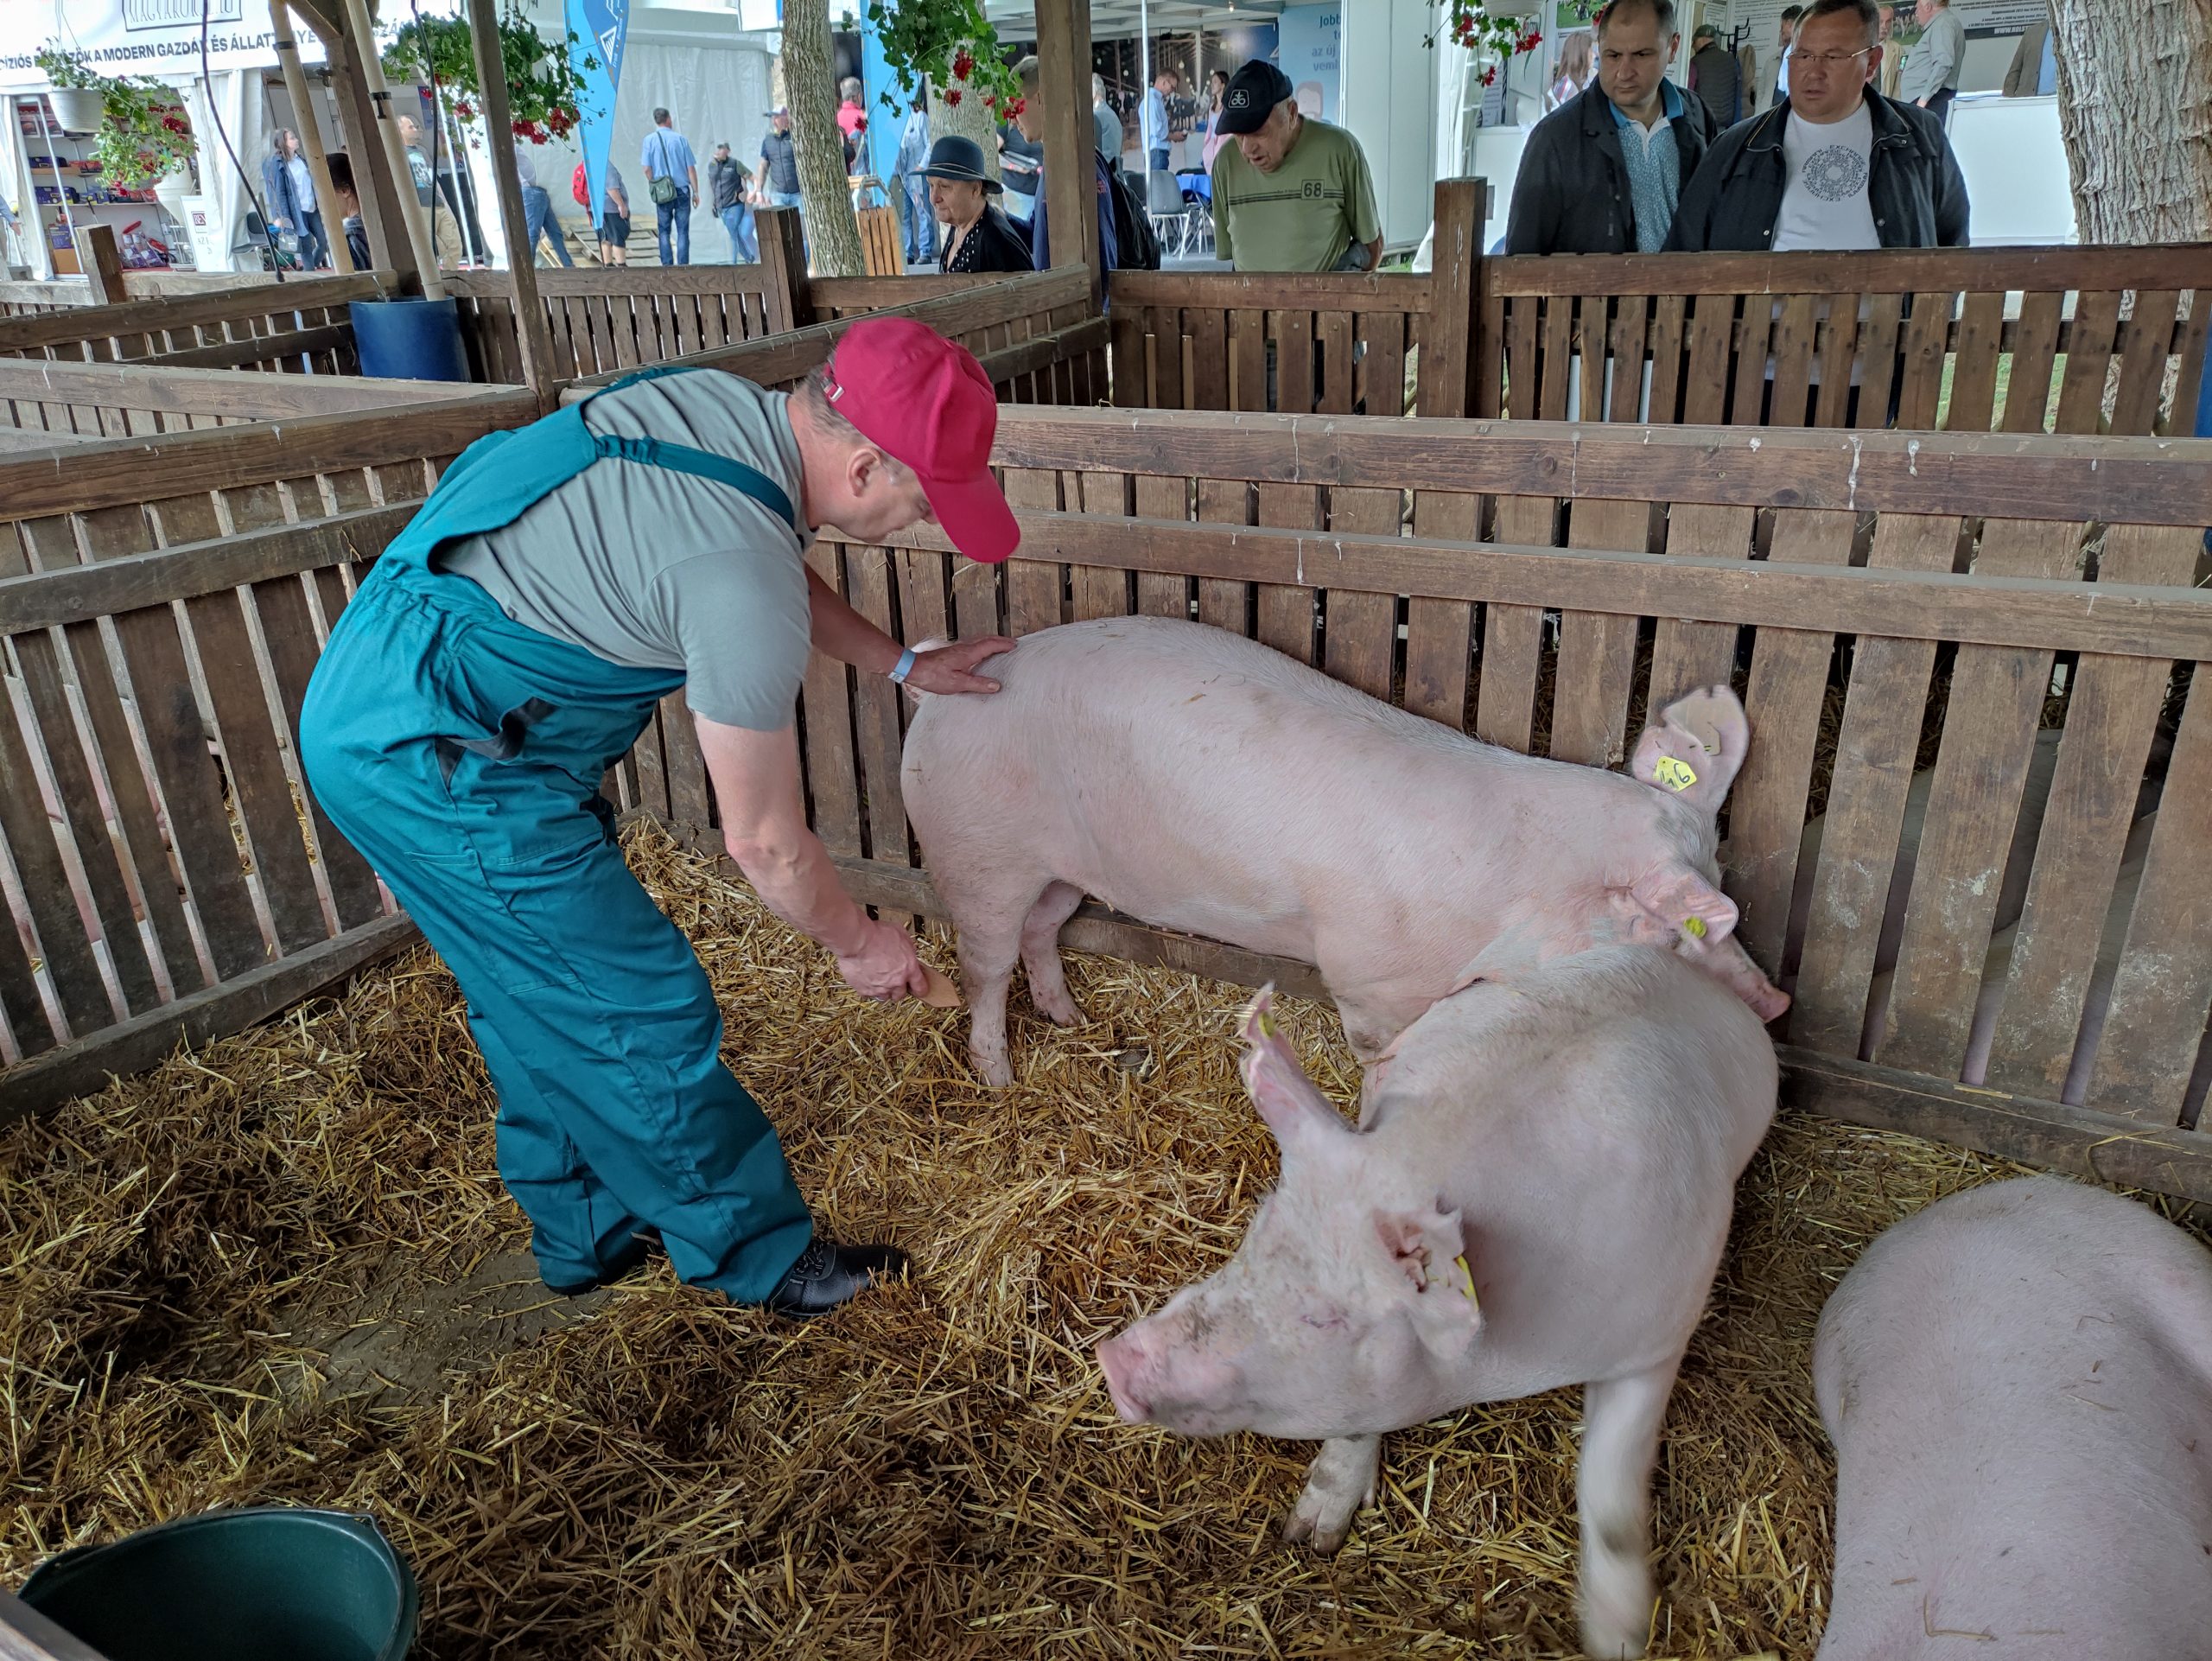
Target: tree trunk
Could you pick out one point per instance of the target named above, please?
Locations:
(833, 234)
(2135, 112)
(967, 119)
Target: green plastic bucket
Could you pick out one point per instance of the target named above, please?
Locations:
(266, 1583)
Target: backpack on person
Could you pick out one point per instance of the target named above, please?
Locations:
(578, 189)
(1135, 242)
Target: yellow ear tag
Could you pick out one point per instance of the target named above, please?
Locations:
(1676, 775)
(1694, 928)
(1467, 1282)
(1264, 1024)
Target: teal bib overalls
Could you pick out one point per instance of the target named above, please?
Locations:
(462, 753)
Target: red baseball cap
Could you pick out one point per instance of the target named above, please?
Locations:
(927, 402)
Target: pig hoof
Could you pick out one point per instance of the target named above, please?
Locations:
(1057, 1008)
(1322, 1522)
(996, 1071)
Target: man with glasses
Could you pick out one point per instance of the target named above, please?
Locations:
(1834, 164)
(1602, 173)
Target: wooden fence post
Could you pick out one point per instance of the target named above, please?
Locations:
(531, 330)
(783, 263)
(103, 263)
(1448, 351)
(1070, 138)
(380, 192)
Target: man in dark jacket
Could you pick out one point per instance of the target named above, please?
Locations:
(1602, 173)
(1834, 165)
(1715, 78)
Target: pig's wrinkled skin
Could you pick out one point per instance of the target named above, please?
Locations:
(1201, 781)
(2019, 1383)
(1576, 1137)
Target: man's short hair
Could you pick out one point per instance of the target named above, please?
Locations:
(1864, 10)
(1029, 71)
(660, 117)
(721, 143)
(342, 173)
(1662, 12)
(1791, 14)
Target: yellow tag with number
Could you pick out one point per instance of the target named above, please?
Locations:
(1676, 775)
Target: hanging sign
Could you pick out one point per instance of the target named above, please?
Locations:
(597, 29)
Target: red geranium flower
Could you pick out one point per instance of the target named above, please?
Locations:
(962, 66)
(953, 98)
(1490, 74)
(465, 110)
(860, 126)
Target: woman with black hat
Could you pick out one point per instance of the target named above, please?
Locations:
(978, 237)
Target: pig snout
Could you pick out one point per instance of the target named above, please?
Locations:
(1117, 1361)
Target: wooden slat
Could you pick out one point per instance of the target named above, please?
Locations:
(1100, 590)
(1973, 380)
(2162, 992)
(1766, 809)
(1684, 654)
(1286, 612)
(1166, 326)
(868, 577)
(1894, 270)
(2146, 342)
(1387, 291)
(1224, 602)
(1597, 650)
(2110, 716)
(218, 392)
(1384, 384)
(1034, 587)
(1989, 730)
(1712, 332)
(1132, 382)
(1209, 388)
(1558, 360)
(1336, 391)
(1754, 336)
(1521, 362)
(2034, 350)
(1926, 339)
(1248, 354)
(1792, 361)
(1589, 348)
(2088, 355)
(1512, 657)
(1359, 634)
(1293, 336)
(1839, 361)
(1879, 327)
(1882, 716)
(1161, 593)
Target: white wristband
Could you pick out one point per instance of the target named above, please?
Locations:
(904, 668)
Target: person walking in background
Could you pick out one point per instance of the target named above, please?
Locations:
(418, 165)
(1159, 136)
(1030, 118)
(349, 205)
(730, 181)
(852, 121)
(914, 187)
(1291, 195)
(1788, 28)
(1892, 60)
(778, 162)
(1215, 136)
(1105, 122)
(1575, 70)
(1931, 76)
(1714, 80)
(672, 182)
(288, 192)
(614, 219)
(1834, 165)
(538, 209)
(446, 243)
(1601, 174)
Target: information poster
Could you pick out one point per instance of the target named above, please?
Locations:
(1310, 41)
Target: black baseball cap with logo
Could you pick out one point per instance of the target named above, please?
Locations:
(1253, 92)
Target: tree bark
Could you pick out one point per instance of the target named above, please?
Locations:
(2135, 113)
(833, 233)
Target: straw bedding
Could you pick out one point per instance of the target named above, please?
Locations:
(194, 1262)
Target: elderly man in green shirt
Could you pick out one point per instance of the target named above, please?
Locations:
(1290, 195)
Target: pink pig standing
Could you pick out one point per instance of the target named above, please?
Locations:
(1537, 1195)
(1201, 781)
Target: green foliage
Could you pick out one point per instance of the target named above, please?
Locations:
(949, 41)
(544, 92)
(1468, 23)
(67, 69)
(145, 136)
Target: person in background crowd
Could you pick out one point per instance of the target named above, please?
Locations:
(1293, 195)
(1107, 124)
(852, 120)
(446, 243)
(288, 192)
(730, 180)
(1834, 164)
(672, 181)
(349, 208)
(614, 219)
(1930, 77)
(1714, 77)
(778, 162)
(1601, 174)
(537, 216)
(1159, 136)
(1020, 159)
(1892, 60)
(914, 187)
(1217, 136)
(1030, 118)
(978, 237)
(418, 165)
(1787, 29)
(1576, 66)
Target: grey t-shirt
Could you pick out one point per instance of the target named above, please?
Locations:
(658, 569)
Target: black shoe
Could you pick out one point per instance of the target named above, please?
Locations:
(627, 1261)
(827, 1275)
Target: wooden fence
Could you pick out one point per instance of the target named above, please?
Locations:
(45, 402)
(299, 324)
(614, 318)
(1880, 600)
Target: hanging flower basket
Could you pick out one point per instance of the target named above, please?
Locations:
(145, 139)
(544, 92)
(79, 91)
(949, 41)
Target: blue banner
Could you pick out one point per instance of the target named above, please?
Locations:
(599, 27)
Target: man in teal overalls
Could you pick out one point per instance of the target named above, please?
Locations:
(511, 644)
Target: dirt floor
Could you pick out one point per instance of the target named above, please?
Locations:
(283, 1270)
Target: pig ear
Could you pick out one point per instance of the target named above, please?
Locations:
(1429, 1249)
(1299, 1114)
(1695, 747)
(1678, 907)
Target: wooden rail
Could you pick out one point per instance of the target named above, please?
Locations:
(63, 401)
(179, 322)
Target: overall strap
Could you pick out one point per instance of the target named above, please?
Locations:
(682, 458)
